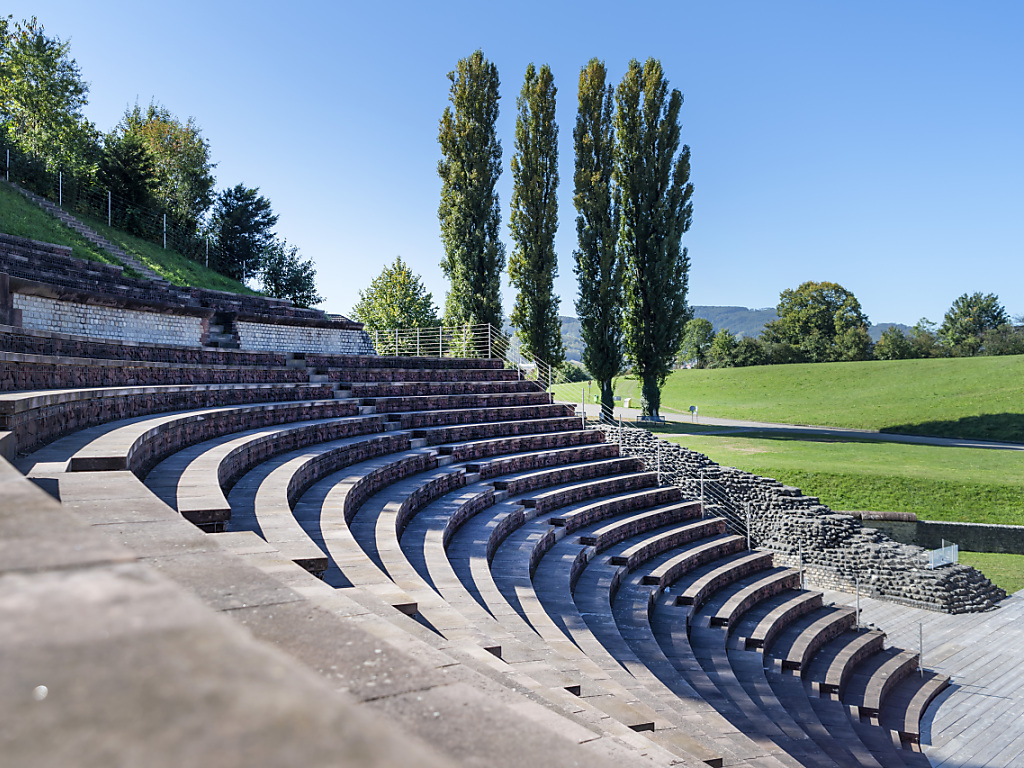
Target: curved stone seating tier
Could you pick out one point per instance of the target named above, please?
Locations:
(443, 403)
(703, 552)
(511, 429)
(644, 484)
(389, 389)
(875, 677)
(37, 418)
(476, 415)
(137, 445)
(32, 342)
(385, 362)
(284, 479)
(794, 646)
(905, 706)
(776, 581)
(587, 470)
(351, 377)
(560, 448)
(195, 480)
(620, 530)
(26, 372)
(832, 667)
(761, 625)
(469, 450)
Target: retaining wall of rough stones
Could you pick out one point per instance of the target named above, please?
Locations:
(273, 337)
(835, 549)
(970, 537)
(42, 313)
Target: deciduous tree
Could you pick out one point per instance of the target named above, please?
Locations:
(654, 177)
(184, 170)
(128, 170)
(968, 318)
(824, 320)
(697, 340)
(598, 266)
(894, 345)
(42, 95)
(534, 265)
(469, 212)
(396, 299)
(286, 275)
(723, 347)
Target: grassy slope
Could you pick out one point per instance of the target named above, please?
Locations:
(171, 265)
(935, 483)
(22, 218)
(979, 397)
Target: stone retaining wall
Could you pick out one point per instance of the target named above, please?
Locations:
(114, 323)
(271, 337)
(835, 549)
(970, 537)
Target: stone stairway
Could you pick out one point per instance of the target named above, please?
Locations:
(92, 236)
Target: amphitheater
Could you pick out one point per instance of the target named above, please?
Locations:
(233, 535)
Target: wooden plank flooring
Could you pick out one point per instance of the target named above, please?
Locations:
(979, 721)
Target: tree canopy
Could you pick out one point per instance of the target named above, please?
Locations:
(968, 319)
(286, 275)
(534, 265)
(42, 95)
(243, 221)
(396, 299)
(697, 340)
(184, 170)
(823, 320)
(598, 265)
(656, 211)
(470, 213)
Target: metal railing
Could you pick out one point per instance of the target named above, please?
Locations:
(947, 554)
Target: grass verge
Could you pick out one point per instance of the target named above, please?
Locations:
(935, 483)
(1006, 571)
(22, 218)
(978, 397)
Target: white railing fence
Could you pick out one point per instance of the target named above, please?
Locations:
(947, 554)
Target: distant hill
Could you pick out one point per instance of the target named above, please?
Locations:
(740, 320)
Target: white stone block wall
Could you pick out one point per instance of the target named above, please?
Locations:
(266, 337)
(45, 314)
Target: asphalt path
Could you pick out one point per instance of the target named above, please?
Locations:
(739, 426)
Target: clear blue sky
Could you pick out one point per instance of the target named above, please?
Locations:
(876, 144)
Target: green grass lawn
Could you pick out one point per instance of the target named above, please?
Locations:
(1006, 571)
(935, 483)
(981, 397)
(171, 265)
(22, 218)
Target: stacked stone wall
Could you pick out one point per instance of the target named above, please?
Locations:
(834, 549)
(271, 337)
(100, 322)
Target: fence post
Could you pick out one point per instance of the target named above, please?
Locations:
(856, 581)
(60, 188)
(207, 251)
(417, 341)
(8, 165)
(165, 235)
(396, 342)
(702, 512)
(583, 405)
(440, 341)
(748, 525)
(109, 216)
(489, 354)
(376, 341)
(659, 462)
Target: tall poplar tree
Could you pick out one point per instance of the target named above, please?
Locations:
(656, 210)
(598, 267)
(533, 265)
(469, 213)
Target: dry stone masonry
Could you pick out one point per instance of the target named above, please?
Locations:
(835, 550)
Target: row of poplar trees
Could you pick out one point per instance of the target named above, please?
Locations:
(632, 199)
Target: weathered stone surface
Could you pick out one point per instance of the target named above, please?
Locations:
(834, 549)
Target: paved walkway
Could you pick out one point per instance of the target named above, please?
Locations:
(979, 721)
(738, 426)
